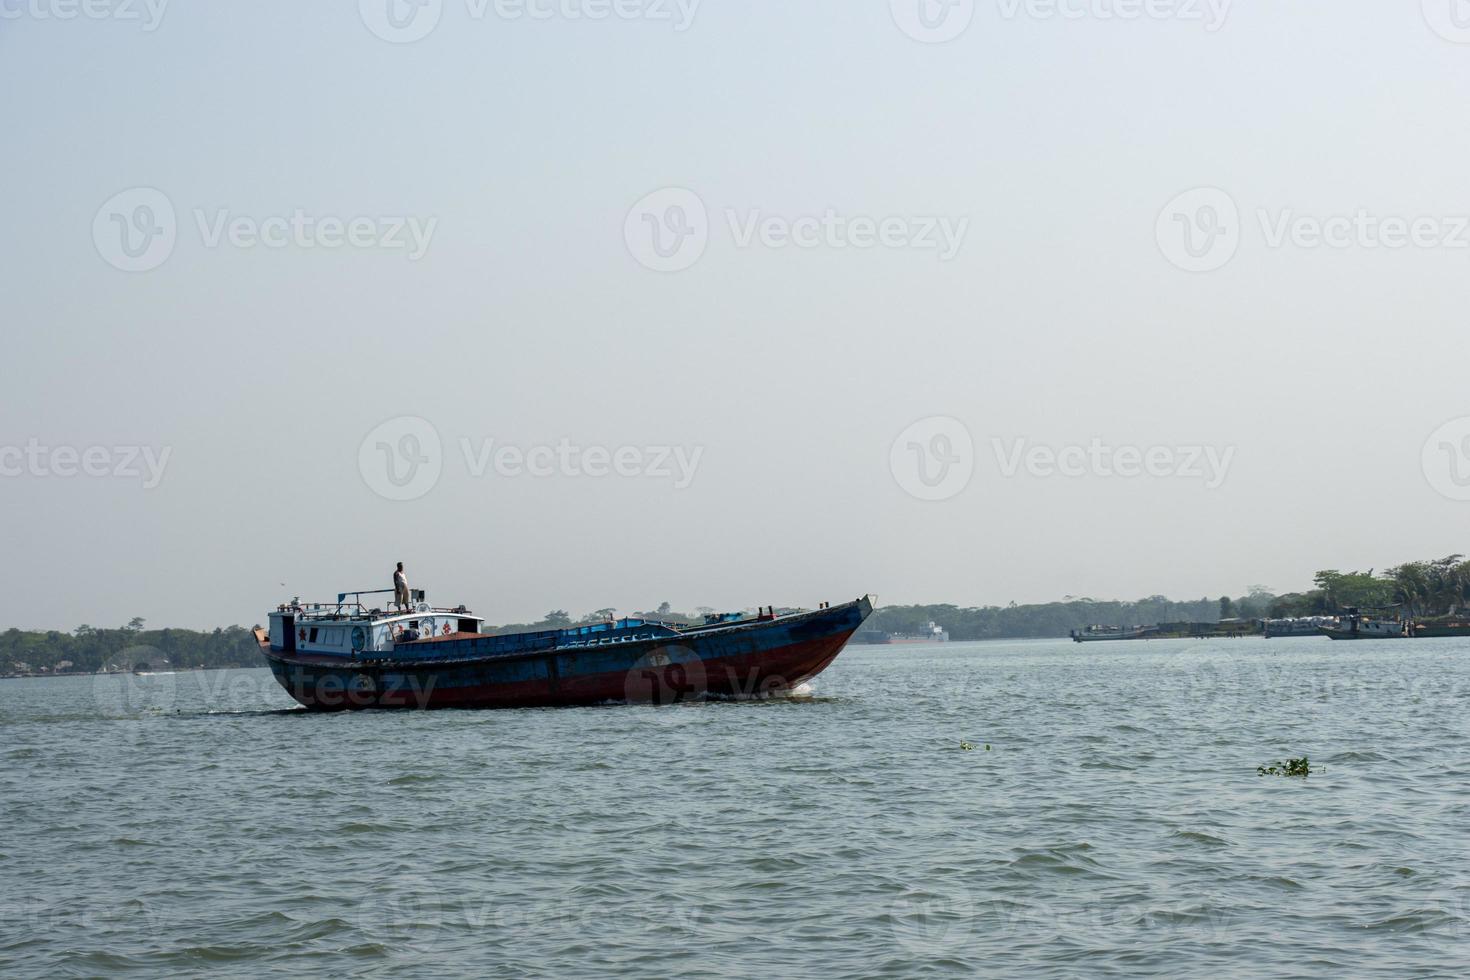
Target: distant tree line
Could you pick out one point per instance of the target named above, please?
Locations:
(1416, 590)
(88, 649)
(1049, 619)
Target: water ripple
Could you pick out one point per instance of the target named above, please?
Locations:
(1114, 825)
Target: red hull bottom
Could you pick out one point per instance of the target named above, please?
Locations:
(756, 675)
(651, 680)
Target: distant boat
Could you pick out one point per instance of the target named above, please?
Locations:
(1297, 626)
(929, 634)
(1096, 634)
(1354, 626)
(344, 655)
(1440, 629)
(870, 636)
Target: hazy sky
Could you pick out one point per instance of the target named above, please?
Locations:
(730, 256)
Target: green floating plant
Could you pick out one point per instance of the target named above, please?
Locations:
(1291, 767)
(967, 746)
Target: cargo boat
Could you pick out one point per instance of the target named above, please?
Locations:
(1354, 626)
(932, 633)
(345, 655)
(1097, 634)
(1297, 626)
(1440, 629)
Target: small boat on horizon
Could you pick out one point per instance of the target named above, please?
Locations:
(1452, 628)
(932, 633)
(1296, 626)
(1097, 634)
(1352, 625)
(347, 656)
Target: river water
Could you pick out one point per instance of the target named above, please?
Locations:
(1108, 820)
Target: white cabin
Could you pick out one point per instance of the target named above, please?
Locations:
(350, 628)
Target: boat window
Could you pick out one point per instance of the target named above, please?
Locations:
(312, 637)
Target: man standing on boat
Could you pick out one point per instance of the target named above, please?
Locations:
(400, 589)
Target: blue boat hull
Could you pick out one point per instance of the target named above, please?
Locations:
(737, 660)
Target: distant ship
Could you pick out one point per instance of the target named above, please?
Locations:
(1353, 626)
(929, 634)
(1440, 629)
(1297, 626)
(347, 655)
(1095, 634)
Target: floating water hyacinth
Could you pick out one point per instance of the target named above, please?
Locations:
(1291, 767)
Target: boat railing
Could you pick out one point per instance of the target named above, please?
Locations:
(354, 608)
(607, 640)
